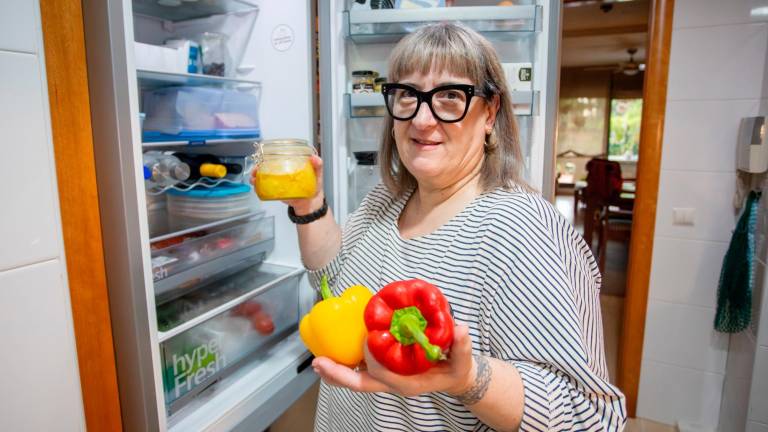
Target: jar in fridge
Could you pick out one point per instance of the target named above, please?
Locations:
(214, 54)
(363, 81)
(284, 170)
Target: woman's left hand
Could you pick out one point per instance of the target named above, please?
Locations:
(452, 376)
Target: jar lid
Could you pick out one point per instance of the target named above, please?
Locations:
(220, 191)
(363, 73)
(287, 146)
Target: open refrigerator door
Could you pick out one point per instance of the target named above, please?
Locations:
(206, 282)
(355, 45)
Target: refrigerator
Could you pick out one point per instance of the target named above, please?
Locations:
(205, 303)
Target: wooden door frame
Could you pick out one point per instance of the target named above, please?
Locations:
(644, 220)
(66, 70)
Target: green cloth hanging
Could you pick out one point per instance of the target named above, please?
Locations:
(734, 291)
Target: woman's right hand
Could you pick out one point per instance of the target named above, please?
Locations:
(305, 206)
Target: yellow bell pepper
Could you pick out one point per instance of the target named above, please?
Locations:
(334, 328)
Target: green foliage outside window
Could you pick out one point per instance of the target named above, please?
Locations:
(624, 136)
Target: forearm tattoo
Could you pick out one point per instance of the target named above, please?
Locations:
(481, 384)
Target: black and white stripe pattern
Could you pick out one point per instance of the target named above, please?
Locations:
(524, 282)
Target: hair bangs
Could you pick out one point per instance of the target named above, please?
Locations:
(435, 47)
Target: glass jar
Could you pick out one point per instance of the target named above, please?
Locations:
(363, 81)
(214, 54)
(284, 170)
(377, 84)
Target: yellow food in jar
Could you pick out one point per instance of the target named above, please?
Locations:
(285, 178)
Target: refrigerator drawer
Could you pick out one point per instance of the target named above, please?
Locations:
(200, 113)
(197, 248)
(211, 331)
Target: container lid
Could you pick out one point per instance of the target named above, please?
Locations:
(220, 191)
(363, 73)
(287, 147)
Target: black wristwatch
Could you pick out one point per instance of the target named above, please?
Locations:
(309, 218)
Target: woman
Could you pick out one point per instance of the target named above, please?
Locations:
(452, 210)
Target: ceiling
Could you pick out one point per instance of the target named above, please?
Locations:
(592, 37)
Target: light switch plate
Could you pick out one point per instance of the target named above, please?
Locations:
(683, 215)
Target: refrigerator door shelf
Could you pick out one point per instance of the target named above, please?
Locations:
(191, 10)
(187, 251)
(367, 105)
(390, 25)
(228, 335)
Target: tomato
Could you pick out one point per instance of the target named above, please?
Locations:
(262, 323)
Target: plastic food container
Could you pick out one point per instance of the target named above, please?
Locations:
(202, 205)
(284, 170)
(179, 113)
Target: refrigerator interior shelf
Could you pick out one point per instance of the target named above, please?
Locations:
(364, 105)
(186, 10)
(260, 279)
(196, 143)
(389, 25)
(152, 79)
(174, 286)
(205, 182)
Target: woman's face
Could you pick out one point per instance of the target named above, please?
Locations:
(440, 154)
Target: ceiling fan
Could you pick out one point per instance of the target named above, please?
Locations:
(629, 68)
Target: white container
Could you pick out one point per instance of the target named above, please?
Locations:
(201, 206)
(160, 58)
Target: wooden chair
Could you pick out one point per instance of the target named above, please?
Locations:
(604, 188)
(615, 224)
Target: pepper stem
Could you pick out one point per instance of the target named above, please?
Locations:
(325, 290)
(408, 326)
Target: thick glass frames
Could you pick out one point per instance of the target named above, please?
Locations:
(448, 103)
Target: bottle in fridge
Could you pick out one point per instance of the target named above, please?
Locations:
(163, 170)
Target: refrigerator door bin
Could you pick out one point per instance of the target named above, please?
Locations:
(389, 25)
(219, 327)
(200, 113)
(178, 254)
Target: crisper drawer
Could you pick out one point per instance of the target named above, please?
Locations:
(207, 333)
(195, 256)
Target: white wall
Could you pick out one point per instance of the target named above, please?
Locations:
(716, 74)
(40, 382)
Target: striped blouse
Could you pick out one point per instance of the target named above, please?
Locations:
(524, 282)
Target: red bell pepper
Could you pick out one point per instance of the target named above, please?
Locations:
(409, 326)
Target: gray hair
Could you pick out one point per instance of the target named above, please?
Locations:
(463, 52)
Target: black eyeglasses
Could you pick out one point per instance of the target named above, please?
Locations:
(448, 103)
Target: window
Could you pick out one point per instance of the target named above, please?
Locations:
(581, 125)
(624, 135)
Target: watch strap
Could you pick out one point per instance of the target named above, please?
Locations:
(308, 218)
